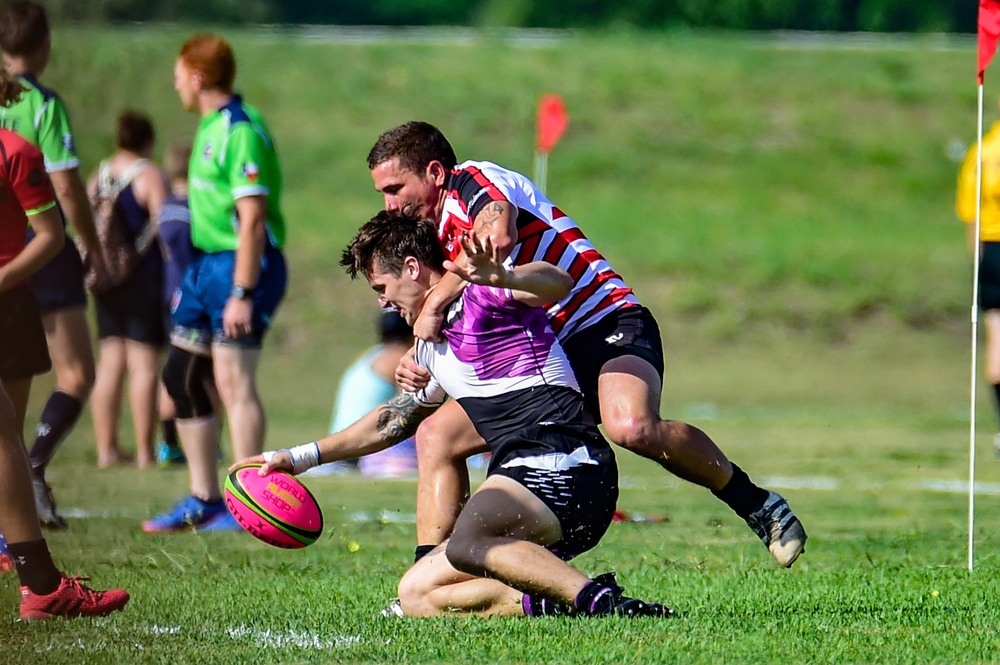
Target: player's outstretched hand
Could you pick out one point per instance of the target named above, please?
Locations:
(483, 263)
(271, 460)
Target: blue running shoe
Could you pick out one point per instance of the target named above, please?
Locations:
(167, 454)
(222, 522)
(6, 561)
(189, 513)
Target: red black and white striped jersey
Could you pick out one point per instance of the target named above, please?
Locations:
(544, 233)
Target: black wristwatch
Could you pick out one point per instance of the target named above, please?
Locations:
(241, 292)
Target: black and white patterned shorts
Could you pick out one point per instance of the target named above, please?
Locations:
(580, 487)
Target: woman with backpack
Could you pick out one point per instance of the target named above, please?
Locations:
(127, 194)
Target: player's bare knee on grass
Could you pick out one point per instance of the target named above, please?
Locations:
(414, 592)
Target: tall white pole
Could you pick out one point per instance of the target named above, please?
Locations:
(541, 170)
(975, 328)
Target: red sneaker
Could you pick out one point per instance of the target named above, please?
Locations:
(71, 599)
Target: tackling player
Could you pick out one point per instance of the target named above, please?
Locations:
(612, 341)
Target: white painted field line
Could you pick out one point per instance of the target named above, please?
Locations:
(266, 638)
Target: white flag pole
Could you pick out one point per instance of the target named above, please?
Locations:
(541, 170)
(975, 328)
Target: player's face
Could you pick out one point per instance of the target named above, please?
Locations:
(186, 85)
(415, 194)
(403, 293)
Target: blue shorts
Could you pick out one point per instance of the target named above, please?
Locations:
(204, 291)
(59, 283)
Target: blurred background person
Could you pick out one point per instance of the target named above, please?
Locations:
(178, 252)
(45, 592)
(230, 293)
(988, 246)
(40, 116)
(368, 382)
(130, 315)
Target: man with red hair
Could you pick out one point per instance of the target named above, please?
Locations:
(230, 293)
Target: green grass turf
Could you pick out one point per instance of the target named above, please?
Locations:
(786, 213)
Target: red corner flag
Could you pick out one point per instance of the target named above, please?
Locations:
(989, 33)
(553, 119)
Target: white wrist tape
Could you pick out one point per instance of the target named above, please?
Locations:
(304, 457)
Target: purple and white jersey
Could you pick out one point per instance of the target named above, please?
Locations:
(500, 359)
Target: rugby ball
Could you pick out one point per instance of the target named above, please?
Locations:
(276, 509)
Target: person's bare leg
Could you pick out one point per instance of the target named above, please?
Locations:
(200, 442)
(629, 394)
(68, 339)
(105, 401)
(444, 442)
(433, 587)
(235, 376)
(36, 571)
(18, 519)
(991, 321)
(143, 371)
(500, 534)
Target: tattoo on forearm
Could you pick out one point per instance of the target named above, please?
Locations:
(399, 418)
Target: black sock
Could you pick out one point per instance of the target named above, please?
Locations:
(741, 494)
(35, 567)
(595, 598)
(538, 606)
(58, 417)
(421, 551)
(169, 429)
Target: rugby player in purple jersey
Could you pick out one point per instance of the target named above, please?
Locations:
(552, 483)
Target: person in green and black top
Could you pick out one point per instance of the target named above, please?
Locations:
(231, 291)
(40, 116)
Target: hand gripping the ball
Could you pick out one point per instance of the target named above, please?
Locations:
(290, 460)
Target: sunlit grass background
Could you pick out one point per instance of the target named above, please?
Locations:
(785, 209)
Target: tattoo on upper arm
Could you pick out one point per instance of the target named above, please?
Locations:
(490, 215)
(400, 416)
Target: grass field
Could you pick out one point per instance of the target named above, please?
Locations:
(785, 209)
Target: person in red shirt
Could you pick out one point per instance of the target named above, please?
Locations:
(26, 195)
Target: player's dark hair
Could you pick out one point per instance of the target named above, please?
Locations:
(416, 144)
(10, 89)
(134, 131)
(23, 27)
(212, 57)
(387, 239)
